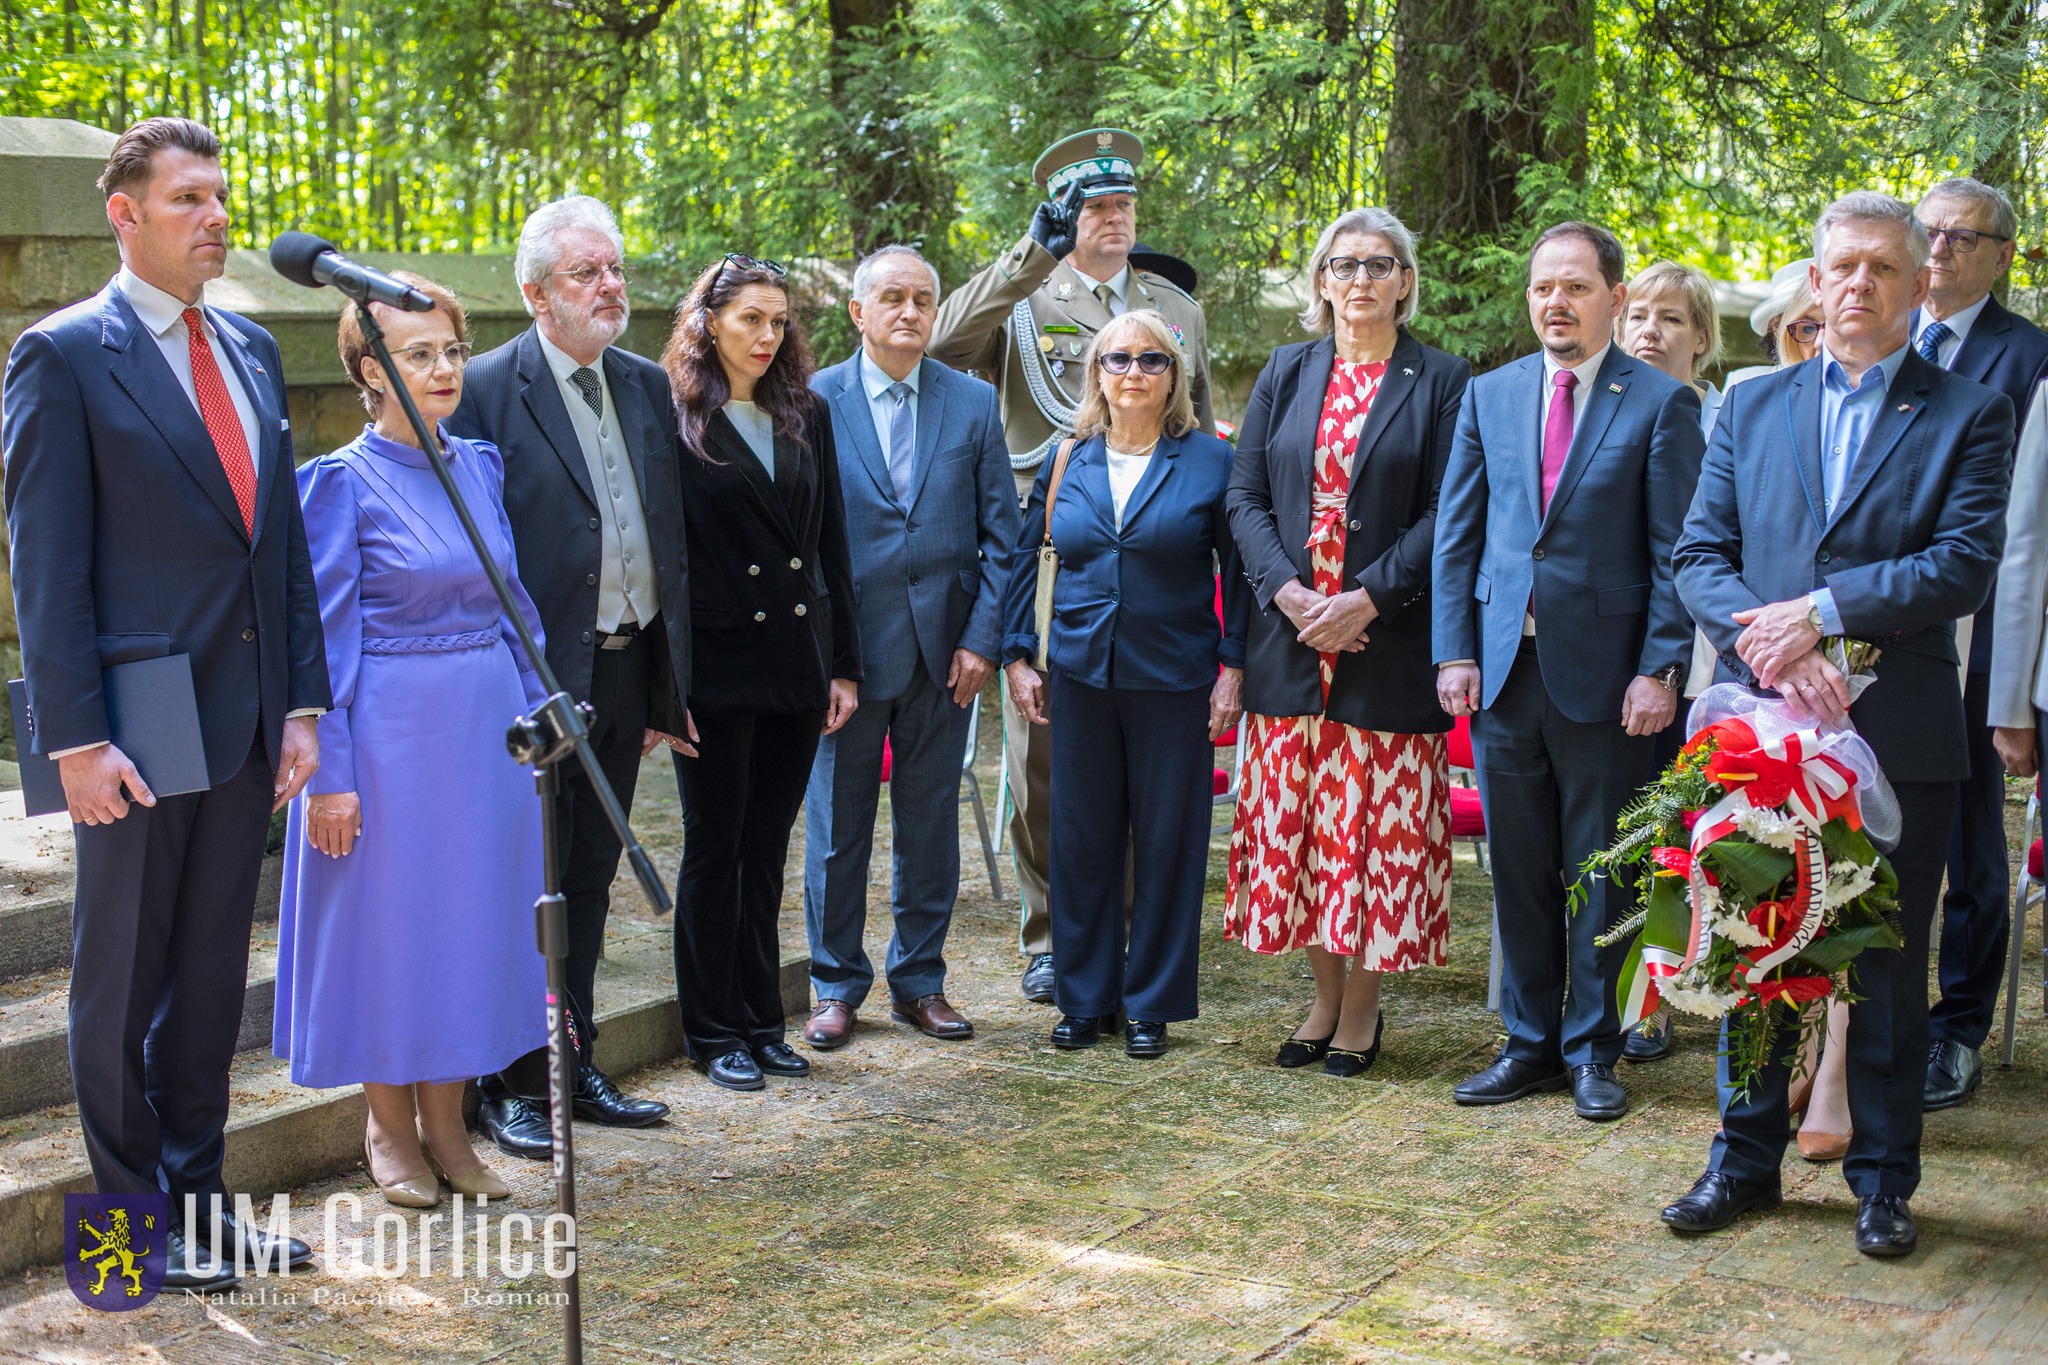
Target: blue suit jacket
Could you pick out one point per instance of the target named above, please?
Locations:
(1913, 543)
(1597, 565)
(127, 541)
(2005, 352)
(928, 577)
(1135, 608)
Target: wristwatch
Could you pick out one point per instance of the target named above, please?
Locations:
(1813, 617)
(1670, 676)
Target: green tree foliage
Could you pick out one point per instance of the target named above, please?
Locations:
(1708, 130)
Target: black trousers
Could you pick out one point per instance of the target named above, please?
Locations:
(1887, 1033)
(160, 943)
(589, 848)
(1551, 788)
(741, 795)
(1130, 778)
(1976, 912)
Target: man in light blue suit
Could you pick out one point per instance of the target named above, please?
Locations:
(1862, 495)
(931, 514)
(1558, 629)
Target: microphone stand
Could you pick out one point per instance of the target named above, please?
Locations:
(557, 728)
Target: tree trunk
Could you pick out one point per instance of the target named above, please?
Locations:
(892, 186)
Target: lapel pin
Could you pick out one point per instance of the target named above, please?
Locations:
(1066, 289)
(1058, 367)
(1406, 370)
(1905, 407)
(1614, 388)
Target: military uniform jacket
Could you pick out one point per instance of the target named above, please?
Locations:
(1002, 321)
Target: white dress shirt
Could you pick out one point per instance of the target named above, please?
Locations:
(881, 404)
(1119, 287)
(1125, 471)
(164, 317)
(1959, 323)
(626, 591)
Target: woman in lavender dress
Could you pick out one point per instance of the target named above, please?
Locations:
(406, 960)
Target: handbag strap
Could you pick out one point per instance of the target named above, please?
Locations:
(1052, 491)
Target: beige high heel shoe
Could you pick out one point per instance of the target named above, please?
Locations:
(484, 1183)
(413, 1192)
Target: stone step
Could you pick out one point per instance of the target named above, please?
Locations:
(281, 1136)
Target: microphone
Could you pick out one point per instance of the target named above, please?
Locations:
(312, 261)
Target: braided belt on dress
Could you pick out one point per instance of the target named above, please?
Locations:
(1328, 510)
(431, 644)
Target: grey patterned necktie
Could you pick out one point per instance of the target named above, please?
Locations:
(585, 379)
(902, 441)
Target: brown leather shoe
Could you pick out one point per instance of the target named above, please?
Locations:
(933, 1017)
(830, 1026)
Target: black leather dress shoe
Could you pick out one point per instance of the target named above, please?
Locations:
(1076, 1031)
(1715, 1200)
(1884, 1226)
(1296, 1052)
(519, 1126)
(1510, 1078)
(599, 1101)
(1038, 979)
(1596, 1095)
(1649, 1041)
(780, 1059)
(1348, 1061)
(1953, 1073)
(208, 1275)
(1144, 1040)
(736, 1070)
(263, 1249)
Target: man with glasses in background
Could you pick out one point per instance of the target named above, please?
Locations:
(588, 435)
(1963, 329)
(1024, 323)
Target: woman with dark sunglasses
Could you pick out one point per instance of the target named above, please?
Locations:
(1144, 680)
(1342, 841)
(775, 649)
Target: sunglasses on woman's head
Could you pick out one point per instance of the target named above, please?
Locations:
(743, 262)
(1149, 362)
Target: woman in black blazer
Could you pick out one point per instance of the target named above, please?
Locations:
(1342, 839)
(775, 649)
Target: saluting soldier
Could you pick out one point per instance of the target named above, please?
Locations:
(1024, 323)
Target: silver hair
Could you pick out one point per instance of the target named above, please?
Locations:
(1868, 206)
(539, 249)
(864, 273)
(1970, 190)
(1317, 315)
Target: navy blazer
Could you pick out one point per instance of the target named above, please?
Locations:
(1597, 564)
(1390, 531)
(1136, 608)
(1913, 543)
(2004, 352)
(127, 541)
(511, 399)
(928, 578)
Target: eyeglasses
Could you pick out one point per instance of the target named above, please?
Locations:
(1149, 362)
(734, 258)
(1347, 267)
(1805, 331)
(1963, 239)
(423, 359)
(588, 275)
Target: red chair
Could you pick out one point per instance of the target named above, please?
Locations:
(1468, 817)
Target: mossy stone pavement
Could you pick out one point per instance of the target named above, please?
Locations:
(996, 1201)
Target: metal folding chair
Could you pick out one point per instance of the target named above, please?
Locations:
(971, 795)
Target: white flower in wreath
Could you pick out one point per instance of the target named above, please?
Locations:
(1736, 929)
(1847, 881)
(1768, 826)
(1702, 1000)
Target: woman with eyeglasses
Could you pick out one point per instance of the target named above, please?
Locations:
(775, 649)
(1787, 323)
(1342, 840)
(405, 938)
(1143, 680)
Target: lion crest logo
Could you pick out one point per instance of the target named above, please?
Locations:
(115, 1248)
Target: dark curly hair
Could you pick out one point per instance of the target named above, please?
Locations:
(698, 379)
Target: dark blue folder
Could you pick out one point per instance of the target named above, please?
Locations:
(153, 717)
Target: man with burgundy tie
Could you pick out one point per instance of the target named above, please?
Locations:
(1558, 630)
(152, 510)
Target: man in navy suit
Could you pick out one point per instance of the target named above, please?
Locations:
(588, 435)
(931, 516)
(1962, 328)
(152, 511)
(1862, 495)
(1558, 629)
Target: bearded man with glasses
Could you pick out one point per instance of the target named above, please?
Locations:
(588, 435)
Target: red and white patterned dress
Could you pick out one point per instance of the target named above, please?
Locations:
(1342, 837)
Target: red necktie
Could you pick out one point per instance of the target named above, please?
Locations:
(1557, 431)
(217, 410)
